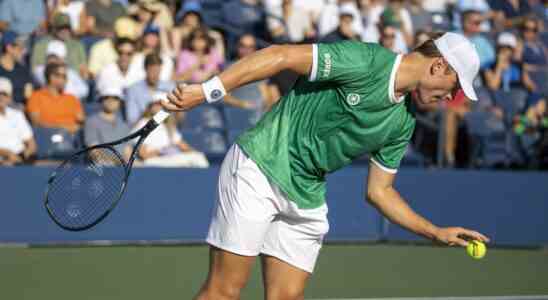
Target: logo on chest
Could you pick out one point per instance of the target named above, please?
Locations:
(353, 99)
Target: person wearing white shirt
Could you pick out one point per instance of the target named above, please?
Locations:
(123, 71)
(329, 18)
(165, 147)
(17, 143)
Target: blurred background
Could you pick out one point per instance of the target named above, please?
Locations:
(83, 72)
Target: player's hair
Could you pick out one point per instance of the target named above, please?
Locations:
(429, 49)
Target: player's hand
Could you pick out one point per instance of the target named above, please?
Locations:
(458, 236)
(184, 97)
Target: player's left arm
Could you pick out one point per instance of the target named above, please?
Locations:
(382, 194)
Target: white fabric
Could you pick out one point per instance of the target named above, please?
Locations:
(14, 130)
(254, 216)
(160, 138)
(6, 86)
(57, 48)
(297, 24)
(111, 75)
(436, 5)
(329, 20)
(73, 9)
(214, 90)
(462, 56)
(179, 160)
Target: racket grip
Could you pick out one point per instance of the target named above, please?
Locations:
(160, 116)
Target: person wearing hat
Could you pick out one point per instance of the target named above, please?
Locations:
(56, 53)
(100, 16)
(351, 99)
(13, 49)
(61, 30)
(388, 18)
(151, 43)
(17, 143)
(504, 73)
(345, 30)
(108, 125)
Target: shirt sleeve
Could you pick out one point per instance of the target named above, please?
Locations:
(343, 62)
(23, 126)
(389, 157)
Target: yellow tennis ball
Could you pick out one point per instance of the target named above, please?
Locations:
(476, 249)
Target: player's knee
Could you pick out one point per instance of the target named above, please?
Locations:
(289, 292)
(222, 291)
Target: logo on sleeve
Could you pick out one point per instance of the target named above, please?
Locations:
(353, 99)
(327, 63)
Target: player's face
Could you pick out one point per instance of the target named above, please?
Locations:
(440, 84)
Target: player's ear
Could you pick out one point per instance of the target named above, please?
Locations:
(438, 66)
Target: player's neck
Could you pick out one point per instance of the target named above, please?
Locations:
(409, 73)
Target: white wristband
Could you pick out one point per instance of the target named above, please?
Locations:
(213, 89)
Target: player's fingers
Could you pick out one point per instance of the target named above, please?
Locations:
(169, 106)
(458, 241)
(475, 235)
(179, 91)
(174, 100)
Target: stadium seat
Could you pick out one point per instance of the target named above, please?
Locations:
(239, 119)
(489, 139)
(512, 102)
(55, 143)
(210, 141)
(203, 117)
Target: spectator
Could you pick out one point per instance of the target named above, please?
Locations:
(51, 106)
(373, 34)
(150, 43)
(244, 15)
(99, 17)
(189, 19)
(504, 73)
(290, 23)
(535, 61)
(329, 18)
(71, 8)
(141, 94)
(23, 17)
(199, 60)
(13, 48)
(165, 147)
(420, 18)
(254, 95)
(56, 54)
(17, 143)
(122, 72)
(103, 53)
(471, 21)
(148, 12)
(388, 37)
(75, 54)
(481, 6)
(396, 11)
(509, 14)
(371, 11)
(107, 125)
(345, 30)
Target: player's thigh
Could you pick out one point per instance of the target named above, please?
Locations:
(282, 281)
(228, 272)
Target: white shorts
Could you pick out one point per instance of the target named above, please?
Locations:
(254, 216)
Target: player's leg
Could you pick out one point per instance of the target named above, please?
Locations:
(242, 216)
(291, 248)
(282, 281)
(228, 275)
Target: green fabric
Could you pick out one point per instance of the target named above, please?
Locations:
(321, 126)
(76, 55)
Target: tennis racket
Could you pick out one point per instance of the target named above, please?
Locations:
(85, 188)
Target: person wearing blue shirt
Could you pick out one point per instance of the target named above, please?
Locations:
(471, 21)
(140, 94)
(23, 17)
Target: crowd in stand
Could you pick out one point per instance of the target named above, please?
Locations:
(76, 73)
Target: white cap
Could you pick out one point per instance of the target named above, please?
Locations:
(112, 91)
(5, 86)
(57, 48)
(347, 9)
(461, 55)
(507, 39)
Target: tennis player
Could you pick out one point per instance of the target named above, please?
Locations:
(351, 99)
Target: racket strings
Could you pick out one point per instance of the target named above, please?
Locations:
(85, 188)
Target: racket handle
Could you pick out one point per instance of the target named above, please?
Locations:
(160, 116)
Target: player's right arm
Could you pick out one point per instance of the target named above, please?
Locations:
(257, 66)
